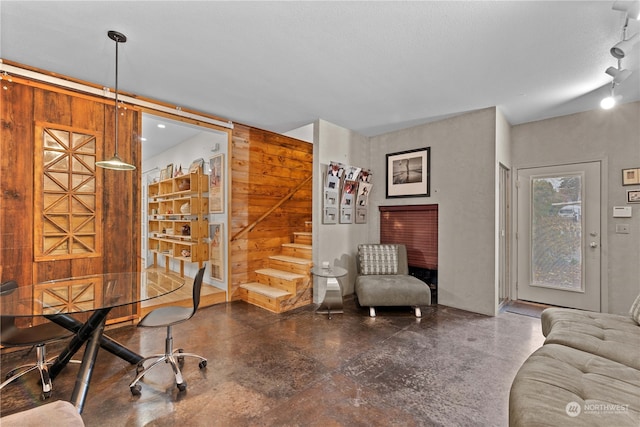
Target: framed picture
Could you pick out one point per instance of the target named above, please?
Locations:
(409, 173)
(163, 174)
(216, 250)
(633, 196)
(631, 176)
(196, 165)
(216, 184)
(169, 170)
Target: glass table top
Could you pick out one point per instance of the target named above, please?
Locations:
(88, 293)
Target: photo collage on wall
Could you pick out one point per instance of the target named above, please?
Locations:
(346, 194)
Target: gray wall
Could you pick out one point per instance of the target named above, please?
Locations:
(613, 137)
(463, 184)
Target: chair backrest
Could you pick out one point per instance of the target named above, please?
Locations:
(8, 287)
(197, 287)
(377, 258)
(7, 323)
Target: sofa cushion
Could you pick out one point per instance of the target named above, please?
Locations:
(559, 385)
(608, 335)
(392, 290)
(54, 414)
(635, 310)
(378, 259)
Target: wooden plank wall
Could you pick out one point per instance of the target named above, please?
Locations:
(22, 104)
(264, 167)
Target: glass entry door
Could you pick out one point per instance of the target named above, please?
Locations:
(559, 235)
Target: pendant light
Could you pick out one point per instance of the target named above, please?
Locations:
(116, 163)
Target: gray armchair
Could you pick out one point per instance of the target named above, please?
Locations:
(383, 279)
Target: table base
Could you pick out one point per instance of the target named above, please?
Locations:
(332, 302)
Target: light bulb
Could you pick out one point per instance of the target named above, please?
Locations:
(608, 103)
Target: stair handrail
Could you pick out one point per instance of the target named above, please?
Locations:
(285, 198)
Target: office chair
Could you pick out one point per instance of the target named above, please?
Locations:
(13, 336)
(167, 317)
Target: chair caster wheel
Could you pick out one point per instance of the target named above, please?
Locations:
(45, 395)
(202, 364)
(182, 386)
(136, 390)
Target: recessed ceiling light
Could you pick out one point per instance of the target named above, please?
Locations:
(143, 139)
(161, 126)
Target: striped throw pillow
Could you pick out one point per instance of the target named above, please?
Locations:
(635, 310)
(378, 259)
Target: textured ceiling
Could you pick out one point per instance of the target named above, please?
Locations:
(372, 67)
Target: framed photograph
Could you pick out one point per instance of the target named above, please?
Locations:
(633, 196)
(409, 173)
(196, 165)
(631, 176)
(169, 170)
(163, 174)
(216, 184)
(216, 250)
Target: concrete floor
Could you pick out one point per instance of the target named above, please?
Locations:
(450, 368)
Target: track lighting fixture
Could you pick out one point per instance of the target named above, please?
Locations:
(631, 8)
(623, 47)
(618, 75)
(116, 162)
(609, 102)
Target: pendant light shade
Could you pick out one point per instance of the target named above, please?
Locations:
(116, 163)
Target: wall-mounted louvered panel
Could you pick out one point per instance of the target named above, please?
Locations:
(415, 226)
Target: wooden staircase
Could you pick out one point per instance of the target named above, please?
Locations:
(286, 283)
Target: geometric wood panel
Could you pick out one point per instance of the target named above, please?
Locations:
(66, 193)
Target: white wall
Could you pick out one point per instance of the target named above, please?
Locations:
(612, 136)
(337, 243)
(185, 152)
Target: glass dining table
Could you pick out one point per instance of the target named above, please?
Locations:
(96, 295)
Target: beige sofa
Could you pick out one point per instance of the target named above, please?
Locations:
(587, 373)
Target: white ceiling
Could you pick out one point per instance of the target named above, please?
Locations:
(372, 67)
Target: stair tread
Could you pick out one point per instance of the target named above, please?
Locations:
(297, 245)
(302, 233)
(280, 274)
(292, 259)
(269, 291)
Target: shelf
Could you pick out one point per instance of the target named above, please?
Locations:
(177, 220)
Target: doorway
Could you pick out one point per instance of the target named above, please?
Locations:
(504, 236)
(558, 235)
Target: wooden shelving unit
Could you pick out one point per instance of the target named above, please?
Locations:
(178, 226)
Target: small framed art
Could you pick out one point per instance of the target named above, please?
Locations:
(216, 250)
(631, 176)
(633, 196)
(216, 184)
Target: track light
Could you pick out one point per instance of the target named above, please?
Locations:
(618, 75)
(610, 101)
(631, 8)
(622, 48)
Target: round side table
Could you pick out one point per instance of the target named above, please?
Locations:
(332, 302)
